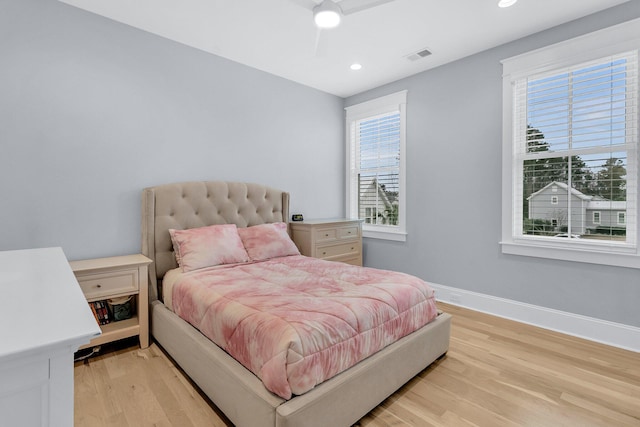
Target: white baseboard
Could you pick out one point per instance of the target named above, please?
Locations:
(602, 331)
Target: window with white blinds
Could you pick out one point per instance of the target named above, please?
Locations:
(571, 132)
(375, 175)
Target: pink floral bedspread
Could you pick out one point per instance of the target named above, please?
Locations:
(297, 321)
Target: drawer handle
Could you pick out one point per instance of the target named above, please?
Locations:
(348, 232)
(99, 285)
(326, 235)
(324, 253)
(352, 248)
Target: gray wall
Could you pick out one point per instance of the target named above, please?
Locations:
(454, 116)
(92, 111)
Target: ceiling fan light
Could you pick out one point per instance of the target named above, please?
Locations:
(327, 14)
(506, 3)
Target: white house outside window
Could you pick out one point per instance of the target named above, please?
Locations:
(571, 128)
(376, 166)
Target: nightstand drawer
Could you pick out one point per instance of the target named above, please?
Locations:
(112, 283)
(338, 250)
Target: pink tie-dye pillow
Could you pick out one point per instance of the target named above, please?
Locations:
(267, 241)
(208, 246)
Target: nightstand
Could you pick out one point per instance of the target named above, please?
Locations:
(330, 239)
(106, 278)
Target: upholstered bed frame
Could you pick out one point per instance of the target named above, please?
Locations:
(340, 401)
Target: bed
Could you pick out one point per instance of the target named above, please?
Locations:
(339, 401)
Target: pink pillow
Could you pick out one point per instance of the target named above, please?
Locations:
(267, 241)
(208, 246)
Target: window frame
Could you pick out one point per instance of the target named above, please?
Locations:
(599, 220)
(622, 218)
(395, 102)
(593, 46)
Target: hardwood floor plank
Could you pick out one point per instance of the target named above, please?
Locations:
(497, 373)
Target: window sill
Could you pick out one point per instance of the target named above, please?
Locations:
(397, 236)
(564, 253)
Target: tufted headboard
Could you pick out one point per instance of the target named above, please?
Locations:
(198, 204)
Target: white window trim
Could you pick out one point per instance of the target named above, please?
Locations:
(619, 38)
(554, 200)
(599, 217)
(622, 215)
(393, 102)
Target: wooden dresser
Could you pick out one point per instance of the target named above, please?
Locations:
(44, 318)
(330, 239)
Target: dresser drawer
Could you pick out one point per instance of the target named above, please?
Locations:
(348, 232)
(326, 235)
(338, 250)
(98, 285)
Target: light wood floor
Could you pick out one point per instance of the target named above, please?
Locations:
(496, 373)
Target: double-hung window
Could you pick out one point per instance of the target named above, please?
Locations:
(375, 186)
(570, 133)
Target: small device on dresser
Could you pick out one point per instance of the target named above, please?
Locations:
(297, 217)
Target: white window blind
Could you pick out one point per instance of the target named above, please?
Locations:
(377, 145)
(375, 175)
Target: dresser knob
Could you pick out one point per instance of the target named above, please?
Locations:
(99, 285)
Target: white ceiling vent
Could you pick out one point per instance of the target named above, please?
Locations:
(419, 55)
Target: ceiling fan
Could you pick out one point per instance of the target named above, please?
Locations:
(328, 13)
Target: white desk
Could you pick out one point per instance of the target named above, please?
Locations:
(44, 318)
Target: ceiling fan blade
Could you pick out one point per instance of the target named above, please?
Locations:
(307, 4)
(352, 6)
(320, 49)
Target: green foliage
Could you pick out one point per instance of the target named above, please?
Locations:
(539, 227)
(391, 215)
(611, 231)
(609, 182)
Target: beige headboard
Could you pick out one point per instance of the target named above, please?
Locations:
(198, 204)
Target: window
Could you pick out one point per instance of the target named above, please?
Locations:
(621, 218)
(571, 129)
(376, 166)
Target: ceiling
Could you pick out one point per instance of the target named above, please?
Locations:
(279, 36)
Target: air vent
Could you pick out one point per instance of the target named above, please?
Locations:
(419, 55)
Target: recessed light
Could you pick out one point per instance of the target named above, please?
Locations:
(506, 3)
(355, 66)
